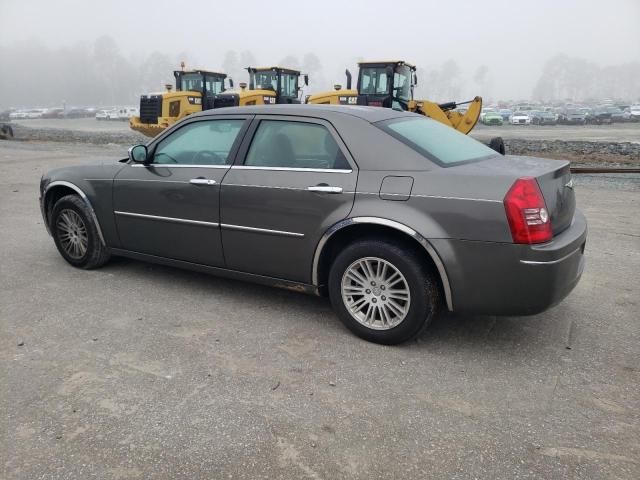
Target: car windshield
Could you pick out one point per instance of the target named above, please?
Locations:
(442, 144)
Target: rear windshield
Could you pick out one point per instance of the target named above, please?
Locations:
(442, 144)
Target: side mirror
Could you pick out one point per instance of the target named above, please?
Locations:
(230, 82)
(415, 79)
(138, 154)
(306, 79)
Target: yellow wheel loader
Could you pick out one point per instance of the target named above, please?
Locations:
(390, 84)
(195, 91)
(267, 85)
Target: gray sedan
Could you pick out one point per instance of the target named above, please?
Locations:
(392, 215)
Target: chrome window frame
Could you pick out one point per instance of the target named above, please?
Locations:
(253, 128)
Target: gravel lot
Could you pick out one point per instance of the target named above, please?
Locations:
(140, 371)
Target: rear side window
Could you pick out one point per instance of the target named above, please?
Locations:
(440, 143)
(286, 144)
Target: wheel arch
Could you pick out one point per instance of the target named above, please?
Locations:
(345, 231)
(58, 189)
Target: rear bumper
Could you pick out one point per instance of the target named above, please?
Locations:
(508, 279)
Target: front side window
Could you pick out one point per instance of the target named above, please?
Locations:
(373, 81)
(199, 143)
(440, 143)
(286, 144)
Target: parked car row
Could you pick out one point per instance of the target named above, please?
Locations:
(528, 114)
(117, 113)
(33, 113)
(101, 113)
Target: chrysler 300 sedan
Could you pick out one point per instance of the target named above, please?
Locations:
(392, 215)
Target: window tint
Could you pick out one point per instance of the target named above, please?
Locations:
(294, 145)
(442, 144)
(200, 143)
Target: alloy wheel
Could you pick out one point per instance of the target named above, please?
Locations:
(375, 293)
(72, 234)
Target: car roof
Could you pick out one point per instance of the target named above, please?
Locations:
(369, 114)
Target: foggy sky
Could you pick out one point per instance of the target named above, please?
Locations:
(512, 38)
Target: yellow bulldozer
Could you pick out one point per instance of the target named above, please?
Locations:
(195, 91)
(390, 84)
(198, 90)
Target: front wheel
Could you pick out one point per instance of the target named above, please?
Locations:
(76, 234)
(382, 291)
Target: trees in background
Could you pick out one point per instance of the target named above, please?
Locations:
(98, 73)
(577, 79)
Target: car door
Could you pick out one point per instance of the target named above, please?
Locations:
(292, 180)
(170, 207)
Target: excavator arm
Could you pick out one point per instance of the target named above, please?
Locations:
(445, 113)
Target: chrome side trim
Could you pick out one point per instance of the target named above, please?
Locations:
(551, 262)
(167, 219)
(287, 169)
(84, 197)
(433, 196)
(176, 165)
(457, 198)
(388, 223)
(262, 230)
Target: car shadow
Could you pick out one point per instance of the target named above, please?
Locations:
(543, 331)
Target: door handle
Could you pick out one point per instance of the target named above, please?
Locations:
(202, 181)
(324, 189)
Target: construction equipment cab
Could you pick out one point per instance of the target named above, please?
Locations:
(390, 84)
(195, 91)
(267, 85)
(380, 84)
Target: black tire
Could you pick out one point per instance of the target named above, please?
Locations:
(96, 253)
(423, 285)
(497, 144)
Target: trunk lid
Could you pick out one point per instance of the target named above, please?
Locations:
(553, 177)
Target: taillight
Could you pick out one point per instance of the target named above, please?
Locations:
(527, 212)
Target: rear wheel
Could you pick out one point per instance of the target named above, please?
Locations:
(382, 291)
(76, 234)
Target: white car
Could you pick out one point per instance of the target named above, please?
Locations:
(102, 114)
(125, 113)
(35, 113)
(18, 115)
(634, 113)
(520, 118)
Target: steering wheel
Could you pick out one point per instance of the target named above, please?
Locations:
(205, 157)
